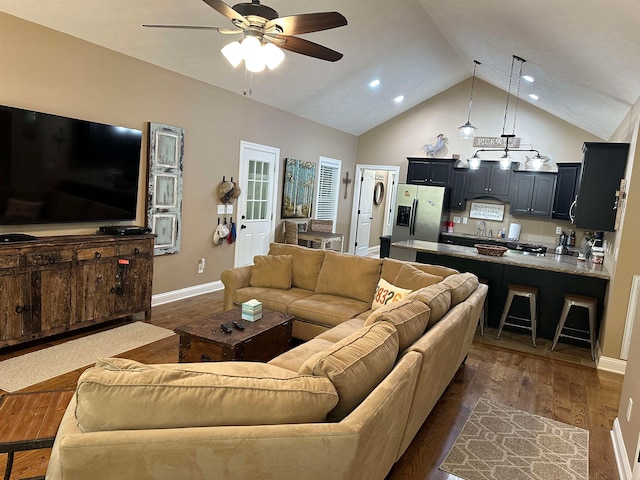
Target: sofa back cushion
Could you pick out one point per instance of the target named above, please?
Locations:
(272, 271)
(410, 317)
(437, 297)
(461, 286)
(306, 264)
(349, 276)
(356, 364)
(387, 293)
(391, 267)
(413, 278)
(120, 394)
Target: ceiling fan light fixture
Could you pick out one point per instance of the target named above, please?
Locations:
(273, 55)
(251, 48)
(233, 53)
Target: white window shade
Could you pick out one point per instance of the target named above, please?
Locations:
(328, 189)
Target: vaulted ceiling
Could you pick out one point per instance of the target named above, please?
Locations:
(584, 55)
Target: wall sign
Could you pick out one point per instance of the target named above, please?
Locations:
(487, 211)
(495, 142)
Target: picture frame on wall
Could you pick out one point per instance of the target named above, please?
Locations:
(298, 188)
(164, 187)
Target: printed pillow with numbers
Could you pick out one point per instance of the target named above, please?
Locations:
(387, 293)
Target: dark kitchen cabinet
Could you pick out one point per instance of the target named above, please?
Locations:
(566, 187)
(430, 172)
(532, 193)
(489, 180)
(603, 166)
(457, 200)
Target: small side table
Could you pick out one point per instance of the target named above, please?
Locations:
(30, 421)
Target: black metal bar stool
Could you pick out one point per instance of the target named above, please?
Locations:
(591, 304)
(521, 291)
(484, 314)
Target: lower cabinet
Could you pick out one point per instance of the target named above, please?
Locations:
(56, 284)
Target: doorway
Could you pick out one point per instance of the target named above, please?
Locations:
(258, 174)
(357, 232)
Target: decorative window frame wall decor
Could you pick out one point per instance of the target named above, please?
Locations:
(298, 188)
(164, 186)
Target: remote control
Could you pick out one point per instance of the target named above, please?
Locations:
(226, 328)
(238, 325)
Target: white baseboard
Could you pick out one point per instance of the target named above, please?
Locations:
(624, 468)
(175, 295)
(614, 365)
(373, 251)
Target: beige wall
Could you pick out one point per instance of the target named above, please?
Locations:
(51, 72)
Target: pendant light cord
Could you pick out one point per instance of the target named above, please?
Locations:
(506, 106)
(473, 82)
(515, 113)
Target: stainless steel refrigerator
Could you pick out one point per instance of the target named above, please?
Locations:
(419, 213)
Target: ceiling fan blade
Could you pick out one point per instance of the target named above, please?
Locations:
(224, 9)
(307, 22)
(188, 27)
(305, 47)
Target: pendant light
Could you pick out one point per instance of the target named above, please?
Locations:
(468, 131)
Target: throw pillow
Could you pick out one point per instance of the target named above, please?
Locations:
(387, 293)
(272, 271)
(133, 396)
(306, 264)
(412, 278)
(356, 365)
(347, 275)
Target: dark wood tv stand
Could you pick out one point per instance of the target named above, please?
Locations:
(55, 284)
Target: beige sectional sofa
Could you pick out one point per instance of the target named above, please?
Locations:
(344, 405)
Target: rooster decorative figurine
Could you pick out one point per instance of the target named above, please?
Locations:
(431, 150)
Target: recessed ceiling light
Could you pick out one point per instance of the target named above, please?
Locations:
(533, 96)
(528, 78)
(399, 98)
(374, 83)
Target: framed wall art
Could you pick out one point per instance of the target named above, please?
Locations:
(164, 188)
(299, 184)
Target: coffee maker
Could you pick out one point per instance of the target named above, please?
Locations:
(561, 249)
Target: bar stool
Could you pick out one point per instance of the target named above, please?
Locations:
(521, 291)
(484, 314)
(590, 303)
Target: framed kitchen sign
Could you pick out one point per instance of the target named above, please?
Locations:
(487, 211)
(164, 189)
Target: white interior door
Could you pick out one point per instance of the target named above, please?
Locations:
(365, 210)
(255, 225)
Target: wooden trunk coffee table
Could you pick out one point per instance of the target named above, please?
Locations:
(260, 341)
(30, 421)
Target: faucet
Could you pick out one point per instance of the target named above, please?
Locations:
(482, 228)
(490, 233)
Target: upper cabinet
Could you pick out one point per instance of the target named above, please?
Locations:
(435, 172)
(566, 187)
(489, 180)
(533, 193)
(603, 167)
(457, 200)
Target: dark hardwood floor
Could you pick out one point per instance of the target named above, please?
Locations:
(570, 393)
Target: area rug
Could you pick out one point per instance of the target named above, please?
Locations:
(503, 443)
(31, 368)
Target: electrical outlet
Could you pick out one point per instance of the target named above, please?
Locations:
(456, 219)
(221, 209)
(229, 209)
(464, 220)
(629, 406)
(201, 265)
(558, 230)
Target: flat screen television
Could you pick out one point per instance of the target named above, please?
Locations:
(55, 169)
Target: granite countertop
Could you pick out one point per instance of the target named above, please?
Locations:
(551, 261)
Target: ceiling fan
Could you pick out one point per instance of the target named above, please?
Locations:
(262, 23)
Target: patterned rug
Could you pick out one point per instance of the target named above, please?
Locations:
(503, 443)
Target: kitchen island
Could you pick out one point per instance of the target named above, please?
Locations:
(554, 275)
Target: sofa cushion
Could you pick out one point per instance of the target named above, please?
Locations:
(391, 267)
(342, 330)
(306, 263)
(386, 293)
(461, 285)
(356, 365)
(327, 310)
(437, 297)
(133, 396)
(294, 359)
(413, 278)
(272, 271)
(350, 276)
(272, 299)
(410, 317)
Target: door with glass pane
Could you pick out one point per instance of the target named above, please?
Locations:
(255, 219)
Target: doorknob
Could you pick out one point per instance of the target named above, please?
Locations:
(243, 226)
